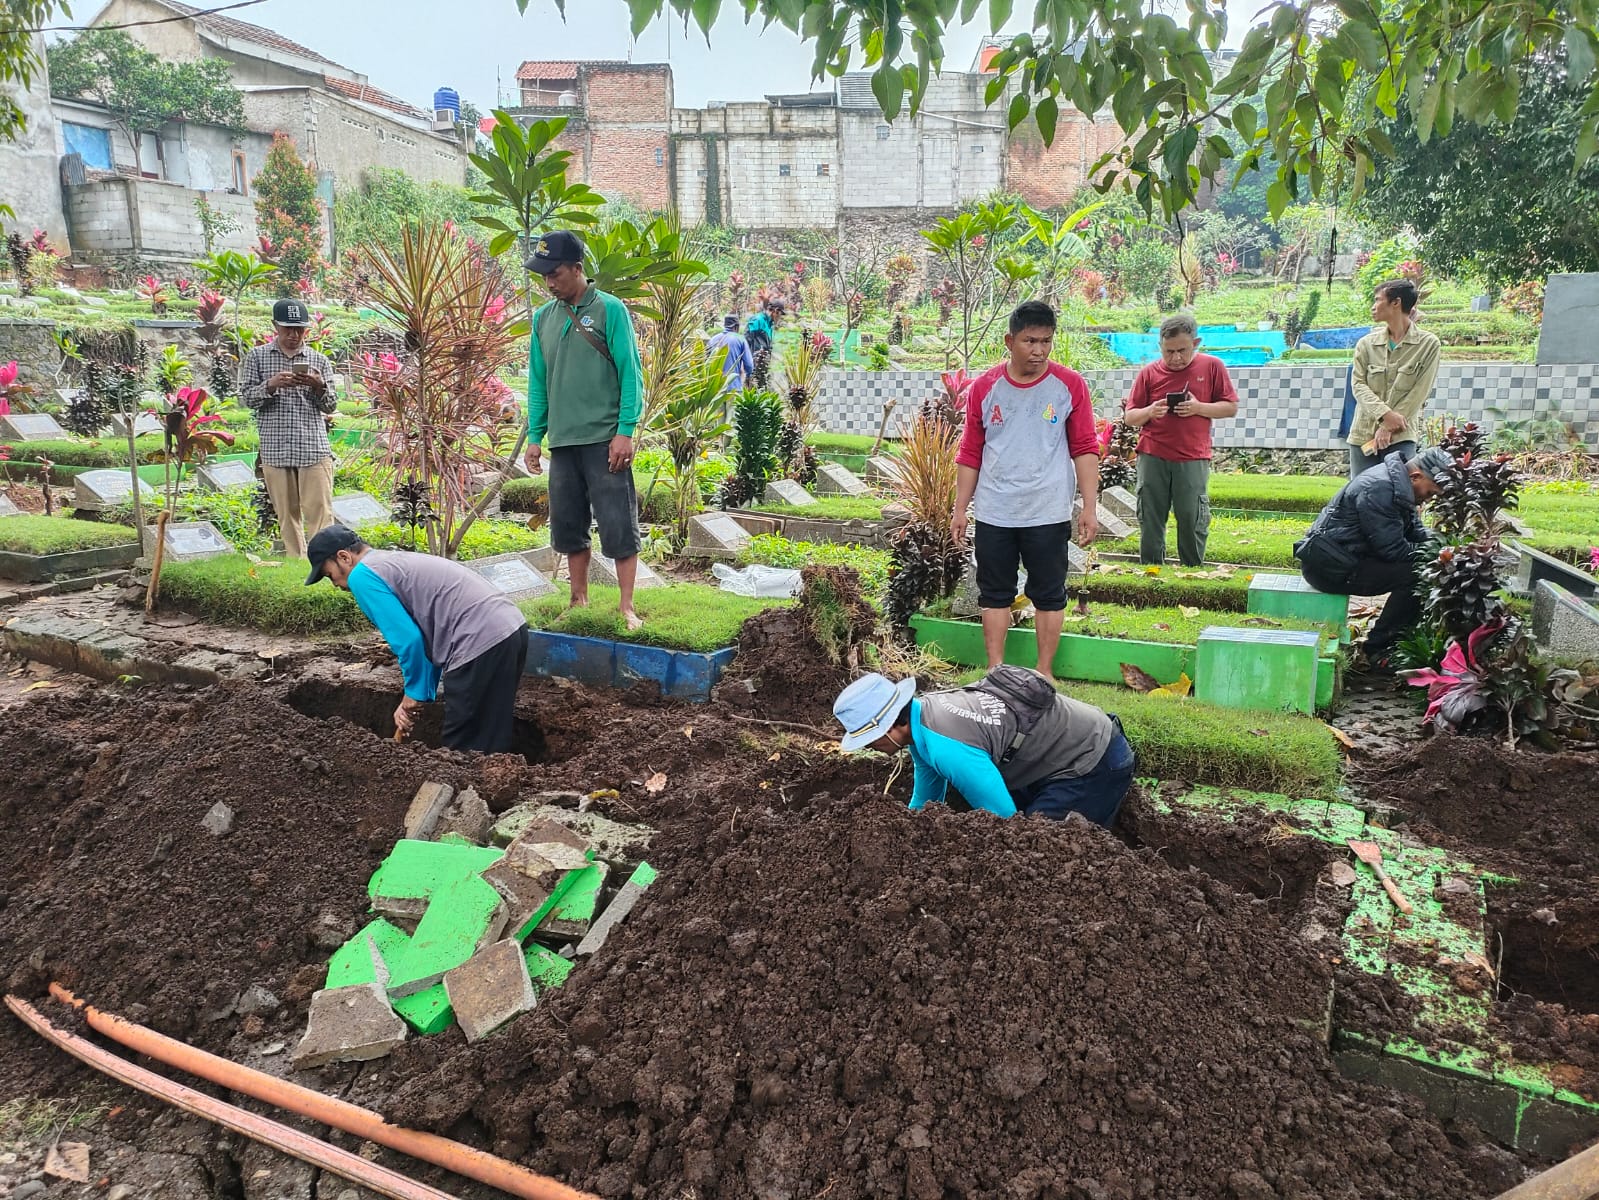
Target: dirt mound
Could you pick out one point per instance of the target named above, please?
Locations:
(1477, 792)
(874, 1002)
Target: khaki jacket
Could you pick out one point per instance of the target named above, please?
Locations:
(1398, 380)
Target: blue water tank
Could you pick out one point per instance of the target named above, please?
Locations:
(447, 98)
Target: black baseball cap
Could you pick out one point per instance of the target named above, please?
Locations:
(554, 248)
(325, 544)
(291, 314)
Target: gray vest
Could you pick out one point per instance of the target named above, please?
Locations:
(1067, 742)
(460, 613)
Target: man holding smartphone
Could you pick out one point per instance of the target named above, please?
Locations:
(1173, 401)
(289, 387)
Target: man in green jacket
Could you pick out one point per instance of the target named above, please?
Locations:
(584, 391)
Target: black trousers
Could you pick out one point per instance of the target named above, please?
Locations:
(1372, 577)
(480, 698)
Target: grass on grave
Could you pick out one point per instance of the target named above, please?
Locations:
(270, 596)
(484, 539)
(33, 534)
(1183, 738)
(830, 508)
(110, 451)
(773, 550)
(1169, 625)
(1573, 514)
(1242, 540)
(1221, 589)
(680, 616)
(1274, 493)
(532, 495)
(849, 443)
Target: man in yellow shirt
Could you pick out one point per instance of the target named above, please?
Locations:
(1395, 366)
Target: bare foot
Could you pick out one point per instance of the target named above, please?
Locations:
(634, 621)
(578, 602)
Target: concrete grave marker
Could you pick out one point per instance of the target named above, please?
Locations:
(188, 541)
(602, 570)
(96, 491)
(880, 468)
(834, 479)
(513, 575)
(70, 396)
(490, 989)
(359, 508)
(7, 508)
(717, 533)
(1564, 624)
(348, 1024)
(1119, 501)
(30, 427)
(786, 491)
(621, 905)
(143, 423)
(221, 476)
(1110, 525)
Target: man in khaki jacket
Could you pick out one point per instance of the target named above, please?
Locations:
(1395, 366)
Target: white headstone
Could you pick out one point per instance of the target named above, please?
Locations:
(833, 479)
(187, 541)
(786, 491)
(221, 476)
(142, 423)
(7, 508)
(514, 575)
(602, 570)
(70, 396)
(30, 427)
(96, 491)
(1110, 525)
(716, 532)
(1121, 502)
(880, 468)
(359, 508)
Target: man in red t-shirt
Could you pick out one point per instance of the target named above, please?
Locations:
(1173, 401)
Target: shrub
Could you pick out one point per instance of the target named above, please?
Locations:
(271, 597)
(29, 534)
(684, 616)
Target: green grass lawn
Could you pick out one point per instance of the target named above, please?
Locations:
(1558, 512)
(231, 590)
(484, 539)
(31, 534)
(830, 508)
(1136, 586)
(1274, 493)
(848, 443)
(768, 549)
(680, 616)
(1242, 540)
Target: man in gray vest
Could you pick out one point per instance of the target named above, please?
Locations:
(444, 622)
(1072, 759)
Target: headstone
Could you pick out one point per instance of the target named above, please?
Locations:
(513, 575)
(70, 396)
(834, 479)
(786, 491)
(1482, 303)
(142, 423)
(1110, 525)
(359, 508)
(221, 476)
(30, 427)
(188, 541)
(716, 533)
(1563, 624)
(1120, 501)
(7, 508)
(482, 482)
(602, 570)
(880, 468)
(96, 491)
(1570, 315)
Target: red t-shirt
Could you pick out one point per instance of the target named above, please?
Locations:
(1180, 439)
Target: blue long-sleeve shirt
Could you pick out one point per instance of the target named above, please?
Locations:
(738, 364)
(383, 608)
(939, 761)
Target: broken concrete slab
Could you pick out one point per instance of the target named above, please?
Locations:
(218, 821)
(459, 921)
(573, 912)
(542, 844)
(427, 1011)
(348, 1024)
(490, 990)
(546, 968)
(835, 479)
(610, 840)
(616, 912)
(415, 871)
(526, 898)
(468, 817)
(427, 806)
(364, 958)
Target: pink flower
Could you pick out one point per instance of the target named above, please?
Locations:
(1593, 559)
(8, 373)
(494, 311)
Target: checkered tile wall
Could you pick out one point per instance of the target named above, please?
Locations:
(1280, 408)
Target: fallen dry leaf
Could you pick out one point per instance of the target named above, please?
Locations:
(68, 1160)
(1260, 732)
(1073, 618)
(775, 756)
(656, 783)
(688, 732)
(1152, 571)
(1138, 679)
(1188, 611)
(42, 683)
(765, 783)
(1342, 874)
(1160, 625)
(1181, 686)
(1347, 741)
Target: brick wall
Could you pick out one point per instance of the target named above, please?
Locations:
(627, 93)
(626, 135)
(1046, 177)
(632, 163)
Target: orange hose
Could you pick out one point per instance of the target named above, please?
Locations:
(252, 1125)
(340, 1114)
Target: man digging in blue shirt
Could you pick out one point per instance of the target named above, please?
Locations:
(1009, 743)
(444, 622)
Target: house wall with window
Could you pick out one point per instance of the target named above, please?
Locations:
(345, 138)
(768, 167)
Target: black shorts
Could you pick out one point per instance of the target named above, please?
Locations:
(1042, 549)
(480, 698)
(584, 489)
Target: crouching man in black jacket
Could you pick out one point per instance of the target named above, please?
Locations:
(1364, 543)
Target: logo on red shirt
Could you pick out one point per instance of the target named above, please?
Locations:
(995, 417)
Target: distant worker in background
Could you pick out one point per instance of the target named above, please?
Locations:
(1395, 367)
(760, 331)
(738, 365)
(1174, 400)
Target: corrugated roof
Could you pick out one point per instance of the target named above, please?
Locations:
(855, 90)
(537, 69)
(367, 94)
(228, 27)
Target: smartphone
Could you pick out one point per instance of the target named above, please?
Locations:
(1173, 399)
(302, 368)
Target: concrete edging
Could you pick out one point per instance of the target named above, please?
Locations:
(681, 674)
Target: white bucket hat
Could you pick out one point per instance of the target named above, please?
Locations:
(867, 708)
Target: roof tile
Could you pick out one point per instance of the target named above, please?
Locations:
(542, 69)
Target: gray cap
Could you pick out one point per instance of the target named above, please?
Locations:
(1433, 462)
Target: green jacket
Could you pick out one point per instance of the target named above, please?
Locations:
(594, 400)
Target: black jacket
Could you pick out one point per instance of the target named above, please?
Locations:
(1374, 516)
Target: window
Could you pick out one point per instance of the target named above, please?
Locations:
(783, 170)
(91, 144)
(700, 172)
(978, 149)
(660, 157)
(824, 168)
(241, 174)
(883, 133)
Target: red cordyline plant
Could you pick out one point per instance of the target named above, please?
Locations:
(209, 309)
(441, 400)
(190, 434)
(10, 389)
(153, 290)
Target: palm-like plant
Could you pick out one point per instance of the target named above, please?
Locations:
(693, 418)
(234, 274)
(440, 401)
(925, 559)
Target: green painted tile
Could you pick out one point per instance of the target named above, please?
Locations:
(352, 962)
(449, 933)
(427, 1011)
(414, 870)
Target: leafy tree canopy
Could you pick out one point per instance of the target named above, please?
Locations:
(1501, 199)
(142, 90)
(1332, 73)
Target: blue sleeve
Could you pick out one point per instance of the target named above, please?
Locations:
(971, 770)
(538, 397)
(928, 786)
(383, 608)
(746, 359)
